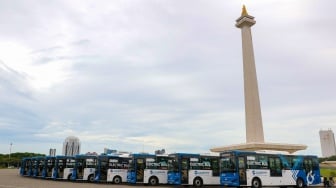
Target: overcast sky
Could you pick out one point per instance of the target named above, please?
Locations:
(142, 75)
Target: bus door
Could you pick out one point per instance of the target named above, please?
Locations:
(184, 170)
(80, 168)
(242, 170)
(215, 166)
(140, 167)
(51, 166)
(60, 168)
(103, 168)
(275, 166)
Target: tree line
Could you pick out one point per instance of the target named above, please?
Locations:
(331, 158)
(14, 159)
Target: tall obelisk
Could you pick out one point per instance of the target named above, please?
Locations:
(254, 126)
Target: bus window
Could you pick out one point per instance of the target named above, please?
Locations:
(275, 166)
(215, 166)
(90, 163)
(205, 163)
(250, 162)
(307, 165)
(151, 164)
(315, 164)
(125, 163)
(163, 162)
(113, 163)
(257, 162)
(287, 162)
(194, 164)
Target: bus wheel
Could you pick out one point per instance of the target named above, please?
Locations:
(153, 181)
(198, 182)
(91, 178)
(256, 183)
(299, 183)
(117, 180)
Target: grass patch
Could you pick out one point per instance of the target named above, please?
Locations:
(328, 172)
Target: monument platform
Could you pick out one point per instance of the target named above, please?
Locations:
(255, 146)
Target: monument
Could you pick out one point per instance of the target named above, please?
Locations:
(254, 127)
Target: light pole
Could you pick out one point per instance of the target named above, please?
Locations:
(10, 151)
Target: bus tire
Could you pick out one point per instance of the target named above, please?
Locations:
(198, 182)
(256, 183)
(153, 181)
(117, 180)
(69, 177)
(299, 183)
(91, 178)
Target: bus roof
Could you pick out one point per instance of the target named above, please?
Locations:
(85, 156)
(38, 157)
(269, 152)
(184, 155)
(139, 155)
(210, 154)
(64, 157)
(50, 157)
(111, 156)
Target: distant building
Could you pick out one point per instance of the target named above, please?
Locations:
(108, 151)
(91, 153)
(52, 152)
(71, 146)
(327, 140)
(160, 152)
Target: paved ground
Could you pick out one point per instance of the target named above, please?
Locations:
(9, 178)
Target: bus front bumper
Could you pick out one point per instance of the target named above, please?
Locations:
(229, 181)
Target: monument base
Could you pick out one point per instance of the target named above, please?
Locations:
(255, 146)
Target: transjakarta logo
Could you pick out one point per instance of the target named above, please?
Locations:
(259, 173)
(201, 172)
(157, 172)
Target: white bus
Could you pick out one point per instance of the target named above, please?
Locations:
(193, 169)
(85, 167)
(257, 169)
(148, 169)
(63, 167)
(111, 168)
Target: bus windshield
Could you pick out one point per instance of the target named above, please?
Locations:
(131, 165)
(228, 164)
(173, 165)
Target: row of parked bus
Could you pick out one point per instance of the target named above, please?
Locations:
(231, 168)
(134, 168)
